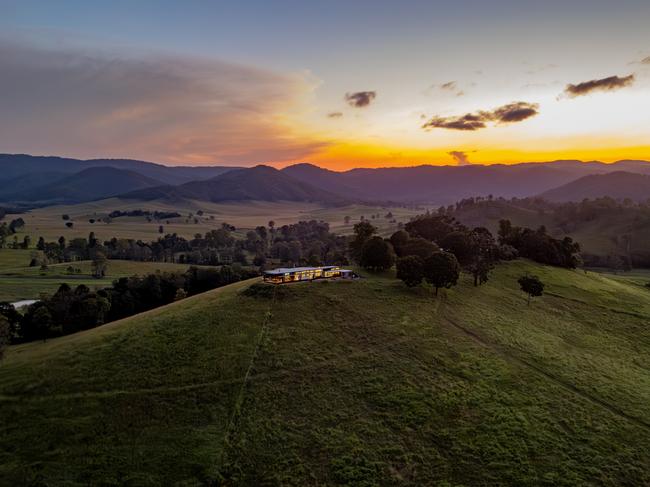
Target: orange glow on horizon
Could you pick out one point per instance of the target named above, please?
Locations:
(342, 157)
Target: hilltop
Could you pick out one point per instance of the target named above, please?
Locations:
(357, 383)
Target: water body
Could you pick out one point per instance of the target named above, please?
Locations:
(24, 302)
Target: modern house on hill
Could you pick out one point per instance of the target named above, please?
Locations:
(293, 274)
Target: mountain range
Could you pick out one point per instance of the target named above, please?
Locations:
(38, 181)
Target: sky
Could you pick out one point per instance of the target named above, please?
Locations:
(338, 84)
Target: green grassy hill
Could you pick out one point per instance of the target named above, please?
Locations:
(348, 383)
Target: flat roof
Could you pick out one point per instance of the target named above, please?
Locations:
(286, 270)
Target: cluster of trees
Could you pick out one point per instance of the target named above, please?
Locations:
(302, 243)
(433, 248)
(539, 246)
(9, 229)
(70, 310)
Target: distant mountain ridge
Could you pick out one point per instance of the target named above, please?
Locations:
(90, 184)
(257, 183)
(618, 185)
(448, 184)
(35, 180)
(15, 165)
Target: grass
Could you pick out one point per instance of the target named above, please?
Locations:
(345, 383)
(19, 281)
(47, 222)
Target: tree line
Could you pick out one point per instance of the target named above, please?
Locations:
(435, 248)
(70, 310)
(302, 243)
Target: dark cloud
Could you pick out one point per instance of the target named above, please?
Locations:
(605, 84)
(469, 121)
(166, 108)
(510, 113)
(450, 85)
(515, 112)
(460, 157)
(360, 99)
(334, 115)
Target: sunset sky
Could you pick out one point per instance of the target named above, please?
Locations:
(339, 84)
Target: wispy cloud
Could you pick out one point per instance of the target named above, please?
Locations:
(645, 60)
(89, 104)
(610, 83)
(335, 115)
(510, 113)
(461, 158)
(360, 99)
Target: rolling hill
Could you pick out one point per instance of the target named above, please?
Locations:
(262, 183)
(617, 185)
(344, 383)
(89, 184)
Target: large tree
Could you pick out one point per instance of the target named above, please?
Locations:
(362, 232)
(441, 270)
(531, 285)
(410, 269)
(5, 334)
(377, 254)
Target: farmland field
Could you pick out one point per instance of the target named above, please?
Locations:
(19, 281)
(49, 224)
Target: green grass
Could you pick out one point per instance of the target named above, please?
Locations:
(345, 383)
(19, 281)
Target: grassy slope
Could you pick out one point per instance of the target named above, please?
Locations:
(357, 383)
(19, 281)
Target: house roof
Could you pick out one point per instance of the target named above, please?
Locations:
(280, 271)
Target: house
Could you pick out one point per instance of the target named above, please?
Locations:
(292, 274)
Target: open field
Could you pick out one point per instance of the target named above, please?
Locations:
(48, 222)
(19, 281)
(353, 383)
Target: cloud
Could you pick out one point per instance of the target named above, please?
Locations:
(605, 84)
(460, 157)
(510, 113)
(165, 108)
(334, 115)
(645, 60)
(450, 85)
(360, 99)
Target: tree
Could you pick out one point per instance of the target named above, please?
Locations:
(5, 334)
(482, 256)
(531, 285)
(441, 269)
(69, 224)
(346, 220)
(377, 254)
(362, 232)
(99, 264)
(42, 322)
(161, 229)
(180, 294)
(65, 217)
(398, 240)
(410, 269)
(27, 241)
